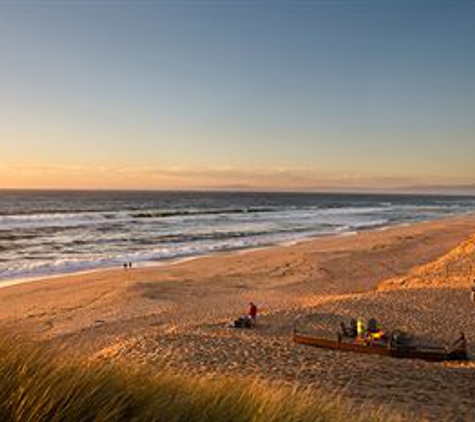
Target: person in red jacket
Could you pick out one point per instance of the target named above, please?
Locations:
(252, 314)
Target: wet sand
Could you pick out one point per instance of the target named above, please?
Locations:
(415, 278)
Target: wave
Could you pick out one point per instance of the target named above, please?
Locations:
(45, 265)
(223, 235)
(86, 218)
(198, 212)
(46, 211)
(59, 219)
(165, 248)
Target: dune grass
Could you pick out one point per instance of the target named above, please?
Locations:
(37, 385)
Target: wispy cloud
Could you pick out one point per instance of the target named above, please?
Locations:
(52, 175)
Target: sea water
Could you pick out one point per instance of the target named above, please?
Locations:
(57, 232)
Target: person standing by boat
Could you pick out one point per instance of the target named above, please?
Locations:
(360, 329)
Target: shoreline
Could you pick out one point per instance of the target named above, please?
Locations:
(10, 282)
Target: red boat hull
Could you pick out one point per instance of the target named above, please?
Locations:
(429, 353)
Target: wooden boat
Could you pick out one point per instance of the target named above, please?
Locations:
(388, 348)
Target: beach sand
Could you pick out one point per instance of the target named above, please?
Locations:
(415, 278)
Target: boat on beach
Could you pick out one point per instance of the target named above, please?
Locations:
(392, 347)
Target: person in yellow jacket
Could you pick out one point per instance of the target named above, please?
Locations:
(360, 329)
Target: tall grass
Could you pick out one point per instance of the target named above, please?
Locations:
(36, 386)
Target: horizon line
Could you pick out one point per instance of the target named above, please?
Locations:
(446, 190)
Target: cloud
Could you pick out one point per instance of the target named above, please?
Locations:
(52, 175)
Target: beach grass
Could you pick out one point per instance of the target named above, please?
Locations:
(38, 385)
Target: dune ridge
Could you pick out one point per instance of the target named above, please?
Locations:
(454, 269)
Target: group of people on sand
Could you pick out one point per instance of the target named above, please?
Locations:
(357, 329)
(370, 332)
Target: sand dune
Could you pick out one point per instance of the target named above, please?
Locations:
(454, 269)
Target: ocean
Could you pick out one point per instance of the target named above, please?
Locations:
(57, 232)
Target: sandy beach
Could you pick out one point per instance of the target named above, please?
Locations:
(414, 278)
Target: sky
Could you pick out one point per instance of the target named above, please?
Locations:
(274, 95)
